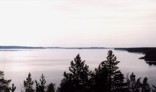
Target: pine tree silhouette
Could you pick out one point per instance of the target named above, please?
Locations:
(107, 76)
(40, 87)
(145, 86)
(4, 84)
(51, 88)
(28, 84)
(13, 88)
(77, 80)
(136, 85)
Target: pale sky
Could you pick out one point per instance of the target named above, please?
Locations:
(108, 23)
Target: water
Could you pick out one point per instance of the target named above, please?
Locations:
(53, 62)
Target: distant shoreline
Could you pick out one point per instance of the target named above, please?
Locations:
(149, 53)
(131, 49)
(30, 47)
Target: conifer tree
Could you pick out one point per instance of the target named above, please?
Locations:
(145, 86)
(136, 85)
(107, 76)
(40, 87)
(4, 84)
(28, 84)
(13, 88)
(51, 88)
(77, 79)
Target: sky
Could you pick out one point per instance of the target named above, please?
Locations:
(107, 23)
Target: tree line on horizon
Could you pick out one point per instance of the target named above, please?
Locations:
(105, 78)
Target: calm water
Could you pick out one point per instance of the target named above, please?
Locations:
(53, 62)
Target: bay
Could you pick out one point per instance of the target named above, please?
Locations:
(16, 64)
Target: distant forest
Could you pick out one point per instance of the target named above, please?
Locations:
(107, 77)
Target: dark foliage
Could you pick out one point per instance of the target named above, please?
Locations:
(28, 84)
(4, 84)
(154, 88)
(40, 87)
(78, 78)
(13, 88)
(51, 88)
(135, 85)
(145, 85)
(107, 77)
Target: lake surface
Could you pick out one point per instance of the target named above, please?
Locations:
(16, 64)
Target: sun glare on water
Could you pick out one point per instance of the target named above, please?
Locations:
(18, 67)
(15, 61)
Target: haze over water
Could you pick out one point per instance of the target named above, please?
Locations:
(53, 62)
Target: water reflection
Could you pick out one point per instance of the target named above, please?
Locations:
(18, 67)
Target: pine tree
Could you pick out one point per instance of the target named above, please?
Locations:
(51, 88)
(136, 85)
(13, 88)
(77, 80)
(28, 84)
(119, 82)
(40, 87)
(145, 86)
(100, 81)
(107, 76)
(132, 83)
(4, 84)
